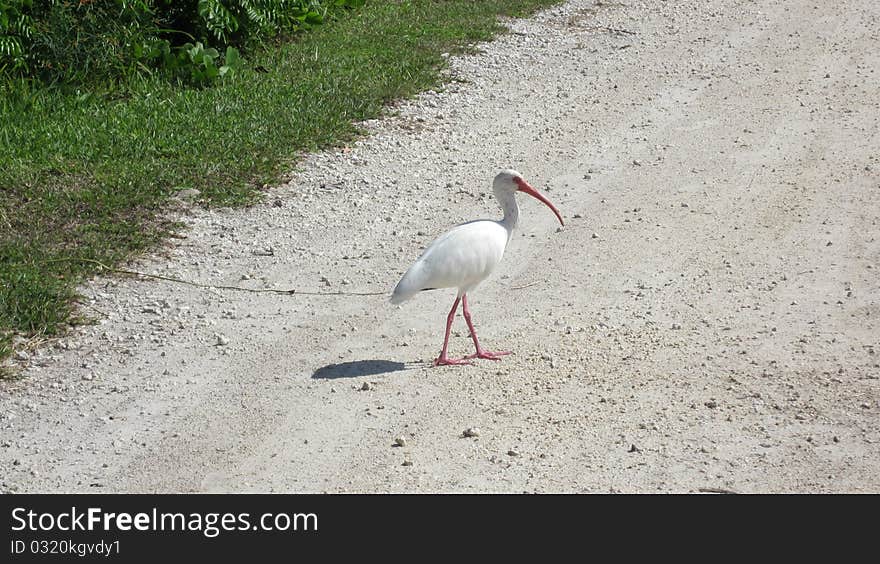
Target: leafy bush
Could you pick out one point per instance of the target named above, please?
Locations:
(88, 41)
(196, 64)
(15, 26)
(57, 40)
(243, 19)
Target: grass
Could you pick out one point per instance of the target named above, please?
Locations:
(86, 176)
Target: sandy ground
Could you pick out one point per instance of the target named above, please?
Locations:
(708, 319)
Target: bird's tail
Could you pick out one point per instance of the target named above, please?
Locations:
(408, 287)
(402, 292)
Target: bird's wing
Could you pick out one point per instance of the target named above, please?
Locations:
(461, 257)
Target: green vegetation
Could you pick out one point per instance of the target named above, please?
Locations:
(86, 168)
(95, 41)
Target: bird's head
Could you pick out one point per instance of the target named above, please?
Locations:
(509, 182)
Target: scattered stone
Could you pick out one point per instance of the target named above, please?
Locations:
(634, 448)
(366, 387)
(513, 452)
(471, 432)
(676, 326)
(637, 162)
(407, 463)
(711, 404)
(400, 441)
(222, 340)
(88, 376)
(188, 194)
(595, 235)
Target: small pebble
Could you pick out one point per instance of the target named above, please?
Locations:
(471, 432)
(188, 194)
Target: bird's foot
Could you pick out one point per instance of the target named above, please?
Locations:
(446, 361)
(489, 355)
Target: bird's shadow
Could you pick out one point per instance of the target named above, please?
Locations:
(358, 368)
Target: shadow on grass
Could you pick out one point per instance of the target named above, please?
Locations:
(358, 368)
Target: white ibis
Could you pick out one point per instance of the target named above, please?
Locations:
(465, 255)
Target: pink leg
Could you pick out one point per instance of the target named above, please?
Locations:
(443, 359)
(480, 352)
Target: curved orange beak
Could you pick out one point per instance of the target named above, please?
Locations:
(525, 187)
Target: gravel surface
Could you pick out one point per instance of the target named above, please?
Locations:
(706, 321)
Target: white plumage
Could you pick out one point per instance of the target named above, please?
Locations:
(460, 258)
(465, 255)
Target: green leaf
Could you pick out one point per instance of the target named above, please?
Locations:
(232, 57)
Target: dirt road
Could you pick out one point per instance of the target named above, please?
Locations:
(707, 319)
